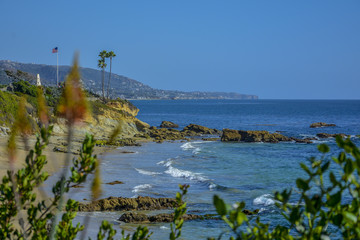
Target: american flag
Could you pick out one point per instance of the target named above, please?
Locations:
(55, 50)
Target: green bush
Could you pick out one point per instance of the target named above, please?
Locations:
(8, 108)
(320, 205)
(25, 87)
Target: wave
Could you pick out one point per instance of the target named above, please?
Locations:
(166, 163)
(196, 150)
(307, 135)
(187, 146)
(144, 172)
(141, 188)
(265, 200)
(175, 172)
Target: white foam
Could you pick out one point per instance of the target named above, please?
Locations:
(144, 172)
(320, 141)
(164, 227)
(187, 146)
(212, 186)
(166, 163)
(265, 200)
(174, 172)
(141, 188)
(262, 209)
(196, 150)
(307, 135)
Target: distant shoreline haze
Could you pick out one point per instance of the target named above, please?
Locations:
(121, 86)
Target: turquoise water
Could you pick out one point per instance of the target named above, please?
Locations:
(249, 172)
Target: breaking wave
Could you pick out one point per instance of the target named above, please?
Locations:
(149, 173)
(141, 188)
(175, 172)
(264, 200)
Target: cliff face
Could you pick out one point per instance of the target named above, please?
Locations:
(105, 118)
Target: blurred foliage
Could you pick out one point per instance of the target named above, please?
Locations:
(321, 206)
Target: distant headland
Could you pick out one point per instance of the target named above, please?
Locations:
(121, 86)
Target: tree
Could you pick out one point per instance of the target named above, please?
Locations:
(110, 55)
(102, 64)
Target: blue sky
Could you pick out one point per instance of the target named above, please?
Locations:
(276, 49)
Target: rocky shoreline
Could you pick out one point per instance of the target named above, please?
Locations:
(168, 131)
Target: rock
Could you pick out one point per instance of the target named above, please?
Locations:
(249, 212)
(65, 150)
(131, 217)
(114, 182)
(127, 152)
(305, 140)
(162, 134)
(140, 125)
(210, 139)
(230, 135)
(329, 135)
(322, 124)
(196, 130)
(127, 142)
(4, 131)
(127, 204)
(168, 124)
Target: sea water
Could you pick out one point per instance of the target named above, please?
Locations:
(249, 172)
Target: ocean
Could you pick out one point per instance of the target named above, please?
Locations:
(249, 172)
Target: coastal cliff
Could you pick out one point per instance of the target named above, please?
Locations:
(121, 86)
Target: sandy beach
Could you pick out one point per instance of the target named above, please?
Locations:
(55, 159)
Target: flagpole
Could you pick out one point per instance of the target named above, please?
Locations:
(57, 68)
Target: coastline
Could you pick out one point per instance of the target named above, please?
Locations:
(55, 159)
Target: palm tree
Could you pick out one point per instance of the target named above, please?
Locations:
(110, 55)
(102, 65)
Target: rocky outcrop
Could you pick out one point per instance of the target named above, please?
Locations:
(329, 135)
(4, 131)
(210, 139)
(230, 135)
(115, 182)
(127, 204)
(305, 140)
(197, 130)
(161, 134)
(132, 217)
(321, 124)
(168, 124)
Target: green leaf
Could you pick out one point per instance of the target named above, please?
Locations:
(350, 217)
(342, 157)
(306, 169)
(294, 215)
(220, 206)
(349, 168)
(333, 179)
(241, 217)
(334, 199)
(323, 148)
(309, 206)
(325, 166)
(302, 184)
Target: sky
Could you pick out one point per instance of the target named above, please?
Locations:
(276, 49)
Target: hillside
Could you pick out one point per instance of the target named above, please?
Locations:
(122, 86)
